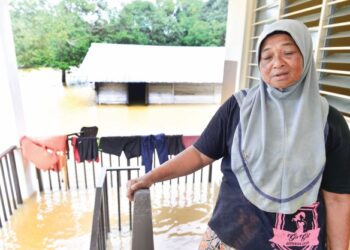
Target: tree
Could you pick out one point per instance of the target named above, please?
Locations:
(56, 36)
(29, 19)
(69, 36)
(59, 35)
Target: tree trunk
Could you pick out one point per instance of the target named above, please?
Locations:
(64, 83)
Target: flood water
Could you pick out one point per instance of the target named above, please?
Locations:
(62, 219)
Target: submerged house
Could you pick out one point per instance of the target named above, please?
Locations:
(146, 74)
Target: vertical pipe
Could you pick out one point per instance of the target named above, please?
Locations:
(106, 205)
(40, 180)
(119, 181)
(130, 209)
(101, 157)
(76, 174)
(59, 180)
(67, 172)
(93, 174)
(66, 154)
(5, 185)
(3, 205)
(118, 198)
(49, 173)
(15, 178)
(10, 180)
(102, 222)
(210, 172)
(110, 165)
(85, 175)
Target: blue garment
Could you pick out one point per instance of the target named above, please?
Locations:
(148, 144)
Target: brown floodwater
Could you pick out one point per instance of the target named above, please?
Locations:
(62, 219)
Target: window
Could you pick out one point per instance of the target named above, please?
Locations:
(329, 24)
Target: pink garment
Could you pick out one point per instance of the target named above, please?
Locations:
(75, 149)
(45, 153)
(188, 140)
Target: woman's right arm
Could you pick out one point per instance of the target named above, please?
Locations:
(186, 162)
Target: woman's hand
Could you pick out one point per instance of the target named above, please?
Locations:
(135, 184)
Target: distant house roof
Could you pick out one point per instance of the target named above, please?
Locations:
(146, 63)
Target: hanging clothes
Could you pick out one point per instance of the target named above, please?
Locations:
(130, 145)
(46, 153)
(148, 144)
(85, 149)
(188, 140)
(175, 144)
(88, 131)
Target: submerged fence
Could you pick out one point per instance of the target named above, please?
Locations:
(83, 175)
(116, 170)
(10, 192)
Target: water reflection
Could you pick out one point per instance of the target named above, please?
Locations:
(53, 220)
(181, 212)
(62, 220)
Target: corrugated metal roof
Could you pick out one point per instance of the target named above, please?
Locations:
(145, 63)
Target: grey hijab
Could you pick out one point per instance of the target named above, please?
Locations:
(278, 151)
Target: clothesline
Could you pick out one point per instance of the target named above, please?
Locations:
(51, 153)
(86, 148)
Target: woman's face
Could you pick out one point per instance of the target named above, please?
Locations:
(281, 63)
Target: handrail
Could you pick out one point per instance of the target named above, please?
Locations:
(100, 222)
(7, 151)
(142, 233)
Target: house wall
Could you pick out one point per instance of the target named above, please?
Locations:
(161, 93)
(111, 93)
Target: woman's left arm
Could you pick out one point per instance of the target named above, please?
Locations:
(337, 220)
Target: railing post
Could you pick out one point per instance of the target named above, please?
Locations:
(40, 180)
(15, 178)
(106, 211)
(7, 196)
(95, 231)
(142, 233)
(100, 221)
(210, 173)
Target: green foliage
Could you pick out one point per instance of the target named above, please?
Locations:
(59, 35)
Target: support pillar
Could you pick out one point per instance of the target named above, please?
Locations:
(11, 107)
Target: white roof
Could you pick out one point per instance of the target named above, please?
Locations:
(146, 63)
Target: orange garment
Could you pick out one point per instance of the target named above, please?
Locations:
(45, 153)
(188, 140)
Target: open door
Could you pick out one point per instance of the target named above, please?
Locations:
(138, 93)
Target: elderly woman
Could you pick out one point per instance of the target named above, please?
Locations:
(286, 156)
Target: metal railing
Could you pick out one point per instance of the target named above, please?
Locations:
(101, 224)
(83, 175)
(10, 192)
